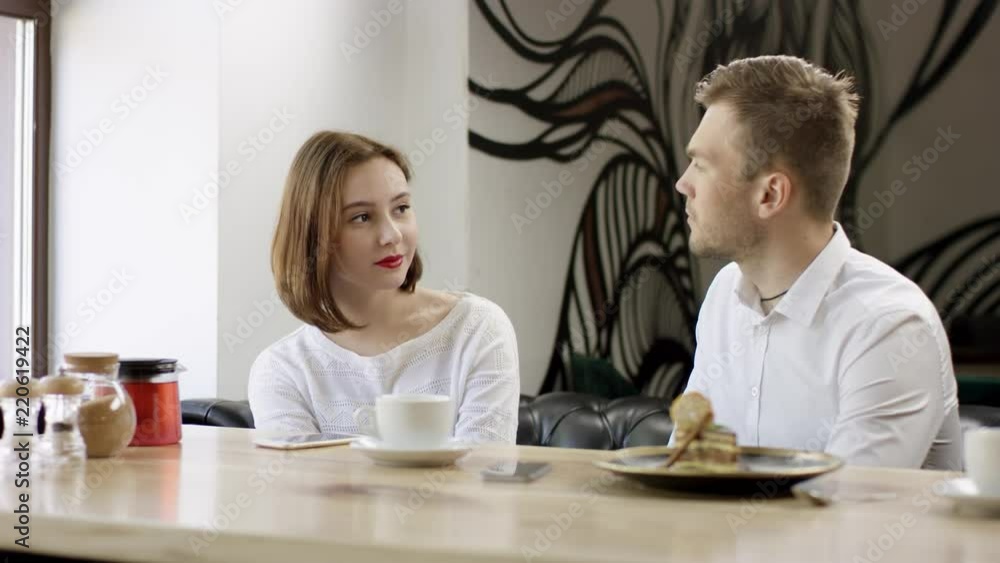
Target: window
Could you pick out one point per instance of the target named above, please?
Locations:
(24, 138)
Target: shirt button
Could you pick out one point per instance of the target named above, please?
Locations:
(754, 391)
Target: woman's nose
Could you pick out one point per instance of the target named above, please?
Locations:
(389, 234)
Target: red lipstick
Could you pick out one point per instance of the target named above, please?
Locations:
(391, 262)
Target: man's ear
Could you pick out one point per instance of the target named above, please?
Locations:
(775, 193)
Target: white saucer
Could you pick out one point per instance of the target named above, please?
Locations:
(446, 454)
(965, 494)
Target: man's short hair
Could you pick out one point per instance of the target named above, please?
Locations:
(794, 116)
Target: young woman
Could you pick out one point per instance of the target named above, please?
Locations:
(345, 262)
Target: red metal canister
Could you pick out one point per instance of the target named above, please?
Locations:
(152, 384)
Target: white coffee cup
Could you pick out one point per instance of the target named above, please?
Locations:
(982, 459)
(410, 421)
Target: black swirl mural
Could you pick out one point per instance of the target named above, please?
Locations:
(629, 295)
(960, 271)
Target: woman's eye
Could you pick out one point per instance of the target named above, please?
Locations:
(403, 208)
(360, 218)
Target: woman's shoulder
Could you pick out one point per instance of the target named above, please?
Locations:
(476, 312)
(286, 349)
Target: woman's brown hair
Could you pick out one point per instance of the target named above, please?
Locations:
(302, 249)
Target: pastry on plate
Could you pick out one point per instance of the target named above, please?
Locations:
(713, 448)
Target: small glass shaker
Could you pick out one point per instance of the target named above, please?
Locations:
(19, 403)
(62, 445)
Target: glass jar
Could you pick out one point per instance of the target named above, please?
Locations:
(107, 414)
(13, 397)
(152, 384)
(61, 446)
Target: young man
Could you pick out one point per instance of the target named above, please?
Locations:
(804, 342)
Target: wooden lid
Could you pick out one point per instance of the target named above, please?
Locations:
(91, 361)
(60, 385)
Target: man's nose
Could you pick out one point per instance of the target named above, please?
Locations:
(683, 186)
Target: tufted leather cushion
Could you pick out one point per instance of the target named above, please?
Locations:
(575, 420)
(217, 412)
(565, 420)
(974, 416)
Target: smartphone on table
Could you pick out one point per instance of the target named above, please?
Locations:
(520, 472)
(303, 441)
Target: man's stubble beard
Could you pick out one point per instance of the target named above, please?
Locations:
(734, 236)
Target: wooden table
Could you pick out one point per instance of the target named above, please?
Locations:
(217, 498)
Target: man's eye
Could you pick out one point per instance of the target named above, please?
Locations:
(360, 218)
(403, 208)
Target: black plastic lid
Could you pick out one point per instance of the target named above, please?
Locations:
(146, 367)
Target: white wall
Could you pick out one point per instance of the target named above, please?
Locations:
(183, 192)
(386, 69)
(128, 274)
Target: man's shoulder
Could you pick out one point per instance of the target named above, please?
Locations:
(876, 281)
(872, 290)
(724, 282)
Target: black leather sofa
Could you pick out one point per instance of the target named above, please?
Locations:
(566, 420)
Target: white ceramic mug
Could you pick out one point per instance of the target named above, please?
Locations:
(982, 459)
(410, 421)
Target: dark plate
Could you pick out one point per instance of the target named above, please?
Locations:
(769, 470)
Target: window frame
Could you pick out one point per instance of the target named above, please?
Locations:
(39, 11)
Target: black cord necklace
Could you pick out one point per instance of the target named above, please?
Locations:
(775, 297)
